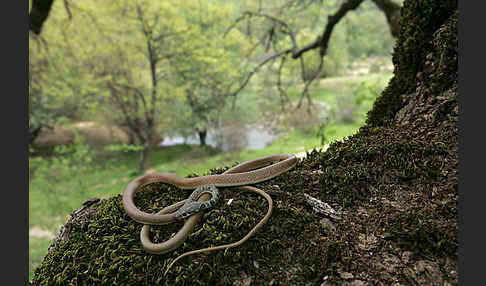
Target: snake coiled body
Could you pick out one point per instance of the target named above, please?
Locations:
(249, 172)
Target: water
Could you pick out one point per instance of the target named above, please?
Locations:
(241, 137)
(249, 138)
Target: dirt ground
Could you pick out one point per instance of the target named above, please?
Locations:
(94, 133)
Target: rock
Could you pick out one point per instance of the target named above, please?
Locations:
(406, 256)
(357, 283)
(346, 275)
(327, 225)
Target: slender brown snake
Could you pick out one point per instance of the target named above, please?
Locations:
(249, 172)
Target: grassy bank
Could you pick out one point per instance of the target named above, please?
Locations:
(53, 196)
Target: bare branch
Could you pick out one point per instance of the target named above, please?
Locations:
(262, 63)
(320, 42)
(305, 92)
(140, 95)
(283, 95)
(131, 119)
(237, 20)
(323, 40)
(284, 28)
(68, 9)
(118, 100)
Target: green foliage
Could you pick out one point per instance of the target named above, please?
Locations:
(104, 43)
(60, 85)
(209, 76)
(124, 148)
(365, 94)
(68, 164)
(366, 32)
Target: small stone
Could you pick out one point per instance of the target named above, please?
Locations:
(255, 263)
(367, 242)
(346, 275)
(244, 281)
(357, 283)
(420, 266)
(247, 281)
(327, 224)
(406, 256)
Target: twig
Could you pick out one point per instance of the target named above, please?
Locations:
(322, 207)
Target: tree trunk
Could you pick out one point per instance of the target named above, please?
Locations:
(145, 158)
(202, 137)
(33, 133)
(131, 138)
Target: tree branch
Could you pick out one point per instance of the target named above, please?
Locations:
(320, 42)
(68, 9)
(283, 95)
(392, 13)
(305, 92)
(38, 14)
(140, 95)
(323, 40)
(262, 63)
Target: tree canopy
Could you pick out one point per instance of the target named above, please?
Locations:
(170, 67)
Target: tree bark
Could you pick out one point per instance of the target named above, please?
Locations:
(202, 137)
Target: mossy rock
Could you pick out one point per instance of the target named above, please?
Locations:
(395, 183)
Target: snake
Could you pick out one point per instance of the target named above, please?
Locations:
(249, 172)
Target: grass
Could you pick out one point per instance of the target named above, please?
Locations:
(37, 249)
(50, 204)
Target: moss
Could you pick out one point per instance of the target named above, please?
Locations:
(371, 158)
(418, 230)
(418, 23)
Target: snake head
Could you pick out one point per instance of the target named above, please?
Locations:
(192, 206)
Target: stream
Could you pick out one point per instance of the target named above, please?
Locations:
(244, 139)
